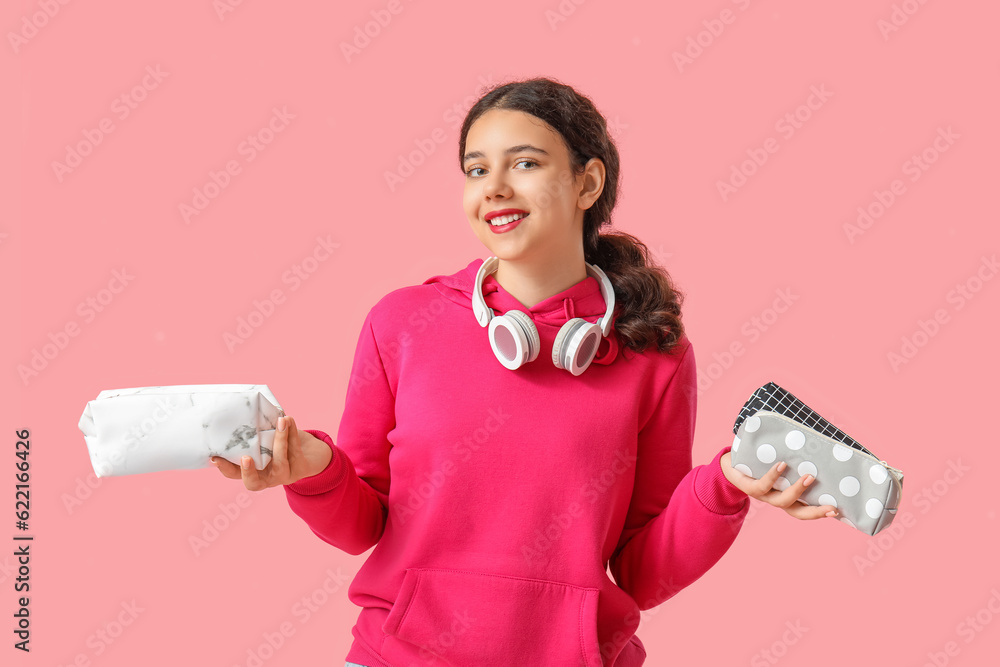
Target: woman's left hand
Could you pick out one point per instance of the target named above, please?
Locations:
(761, 489)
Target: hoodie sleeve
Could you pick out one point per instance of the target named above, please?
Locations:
(681, 520)
(346, 504)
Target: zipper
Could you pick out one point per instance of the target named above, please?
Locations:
(897, 474)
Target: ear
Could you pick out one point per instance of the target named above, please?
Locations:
(593, 182)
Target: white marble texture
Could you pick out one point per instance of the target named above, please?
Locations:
(179, 427)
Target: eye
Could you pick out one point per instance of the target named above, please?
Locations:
(469, 172)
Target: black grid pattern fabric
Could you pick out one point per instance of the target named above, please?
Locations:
(776, 399)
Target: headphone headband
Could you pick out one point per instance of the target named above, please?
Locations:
(608, 292)
(482, 312)
(489, 266)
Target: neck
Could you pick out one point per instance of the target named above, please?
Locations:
(533, 282)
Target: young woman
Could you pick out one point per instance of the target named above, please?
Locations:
(517, 428)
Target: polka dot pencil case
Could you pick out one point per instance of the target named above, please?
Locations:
(775, 426)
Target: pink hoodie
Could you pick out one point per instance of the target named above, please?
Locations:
(496, 500)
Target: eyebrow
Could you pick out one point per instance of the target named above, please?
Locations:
(521, 148)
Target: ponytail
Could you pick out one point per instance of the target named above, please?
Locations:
(648, 308)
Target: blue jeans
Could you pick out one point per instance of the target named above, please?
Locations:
(352, 664)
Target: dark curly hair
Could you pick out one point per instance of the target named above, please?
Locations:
(648, 305)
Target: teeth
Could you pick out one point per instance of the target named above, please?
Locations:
(505, 219)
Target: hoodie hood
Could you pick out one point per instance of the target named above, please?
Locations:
(583, 299)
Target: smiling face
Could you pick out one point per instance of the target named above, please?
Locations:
(514, 160)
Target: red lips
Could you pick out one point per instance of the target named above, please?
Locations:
(504, 211)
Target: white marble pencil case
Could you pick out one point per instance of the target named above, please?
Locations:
(179, 427)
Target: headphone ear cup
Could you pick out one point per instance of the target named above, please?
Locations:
(576, 345)
(514, 339)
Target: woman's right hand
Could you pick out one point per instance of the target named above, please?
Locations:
(297, 454)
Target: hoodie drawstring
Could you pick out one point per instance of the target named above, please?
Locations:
(568, 309)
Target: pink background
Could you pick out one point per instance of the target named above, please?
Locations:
(889, 599)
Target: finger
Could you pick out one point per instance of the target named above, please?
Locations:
(788, 497)
(739, 479)
(810, 512)
(279, 453)
(765, 484)
(227, 468)
(251, 477)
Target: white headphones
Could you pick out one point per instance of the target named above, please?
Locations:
(514, 338)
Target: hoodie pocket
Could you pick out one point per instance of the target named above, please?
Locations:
(476, 619)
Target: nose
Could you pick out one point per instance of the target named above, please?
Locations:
(496, 185)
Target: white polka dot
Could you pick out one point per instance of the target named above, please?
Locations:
(878, 473)
(842, 453)
(781, 484)
(807, 468)
(850, 486)
(752, 424)
(766, 453)
(745, 469)
(873, 508)
(736, 444)
(844, 519)
(827, 499)
(795, 439)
